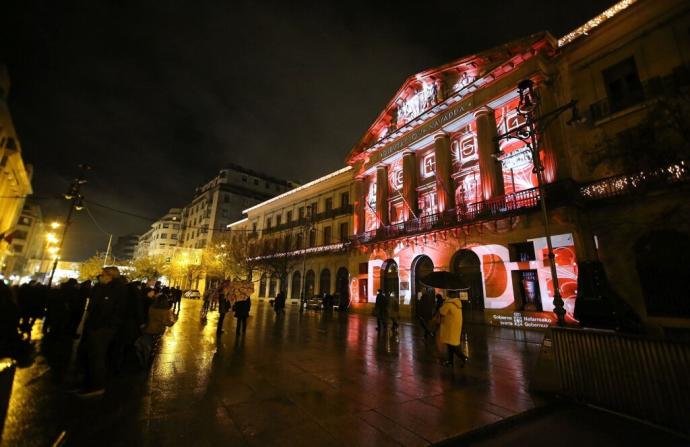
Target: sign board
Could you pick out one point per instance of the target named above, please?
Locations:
(519, 319)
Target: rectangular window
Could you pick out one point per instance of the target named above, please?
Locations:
(312, 238)
(164, 235)
(344, 199)
(173, 236)
(300, 241)
(279, 220)
(329, 204)
(326, 235)
(314, 208)
(165, 225)
(344, 233)
(363, 268)
(268, 222)
(288, 217)
(300, 212)
(521, 252)
(623, 85)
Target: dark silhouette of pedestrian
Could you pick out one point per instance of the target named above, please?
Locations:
(279, 303)
(10, 340)
(242, 307)
(105, 316)
(223, 308)
(76, 305)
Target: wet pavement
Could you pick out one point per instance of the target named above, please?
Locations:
(297, 379)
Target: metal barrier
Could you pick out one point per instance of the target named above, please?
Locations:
(643, 377)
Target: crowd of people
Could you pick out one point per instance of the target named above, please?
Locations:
(120, 326)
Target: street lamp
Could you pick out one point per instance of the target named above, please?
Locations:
(529, 133)
(76, 203)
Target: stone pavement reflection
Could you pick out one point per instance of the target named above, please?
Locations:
(299, 379)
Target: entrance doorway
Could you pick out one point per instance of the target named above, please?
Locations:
(422, 266)
(309, 280)
(390, 282)
(296, 285)
(466, 264)
(342, 286)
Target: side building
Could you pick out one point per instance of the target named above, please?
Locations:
(124, 248)
(300, 239)
(15, 175)
(162, 237)
(28, 241)
(222, 200)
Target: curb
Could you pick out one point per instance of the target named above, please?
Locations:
(499, 426)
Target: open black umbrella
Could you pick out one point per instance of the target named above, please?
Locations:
(444, 280)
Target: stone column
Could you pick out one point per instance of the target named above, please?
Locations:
(410, 186)
(445, 190)
(490, 169)
(382, 195)
(360, 198)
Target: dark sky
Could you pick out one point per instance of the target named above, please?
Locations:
(159, 95)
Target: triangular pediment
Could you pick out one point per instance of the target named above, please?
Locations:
(425, 90)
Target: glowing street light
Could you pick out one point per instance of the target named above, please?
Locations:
(55, 225)
(52, 238)
(53, 250)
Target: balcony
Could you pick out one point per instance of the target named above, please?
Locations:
(564, 193)
(496, 208)
(652, 88)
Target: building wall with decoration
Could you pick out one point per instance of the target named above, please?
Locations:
(436, 189)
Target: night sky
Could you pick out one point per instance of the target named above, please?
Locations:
(159, 95)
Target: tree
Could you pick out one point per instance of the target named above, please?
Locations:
(149, 267)
(91, 268)
(278, 257)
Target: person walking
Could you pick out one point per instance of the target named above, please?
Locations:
(160, 316)
(242, 307)
(393, 304)
(381, 310)
(451, 329)
(223, 308)
(425, 311)
(279, 303)
(106, 313)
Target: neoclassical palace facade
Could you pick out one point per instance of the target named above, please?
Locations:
(438, 182)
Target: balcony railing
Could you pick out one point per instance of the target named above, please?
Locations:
(557, 194)
(496, 208)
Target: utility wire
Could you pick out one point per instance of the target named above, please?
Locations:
(95, 222)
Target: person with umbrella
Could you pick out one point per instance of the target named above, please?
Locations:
(450, 313)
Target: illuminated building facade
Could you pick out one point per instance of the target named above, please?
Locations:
(300, 238)
(28, 240)
(15, 175)
(436, 189)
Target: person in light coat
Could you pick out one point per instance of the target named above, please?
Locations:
(451, 329)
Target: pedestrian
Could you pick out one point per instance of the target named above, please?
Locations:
(10, 340)
(279, 304)
(223, 308)
(160, 316)
(381, 310)
(104, 319)
(451, 329)
(242, 307)
(133, 321)
(76, 305)
(425, 311)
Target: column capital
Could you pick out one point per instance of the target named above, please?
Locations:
(381, 167)
(441, 134)
(483, 111)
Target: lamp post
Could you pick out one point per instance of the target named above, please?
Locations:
(306, 230)
(529, 132)
(76, 203)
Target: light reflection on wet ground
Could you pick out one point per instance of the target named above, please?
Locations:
(301, 379)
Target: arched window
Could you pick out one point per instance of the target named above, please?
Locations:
(262, 285)
(325, 282)
(296, 286)
(309, 280)
(273, 285)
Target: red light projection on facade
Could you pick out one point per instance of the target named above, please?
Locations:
(370, 218)
(466, 165)
(516, 158)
